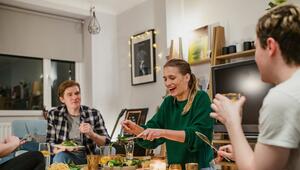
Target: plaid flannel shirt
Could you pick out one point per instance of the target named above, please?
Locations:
(58, 131)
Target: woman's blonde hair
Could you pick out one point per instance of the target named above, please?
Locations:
(184, 68)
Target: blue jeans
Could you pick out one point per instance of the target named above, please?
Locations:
(69, 157)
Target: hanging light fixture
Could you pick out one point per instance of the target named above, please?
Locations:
(94, 26)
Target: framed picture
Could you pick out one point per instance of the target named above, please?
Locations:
(136, 115)
(199, 45)
(142, 52)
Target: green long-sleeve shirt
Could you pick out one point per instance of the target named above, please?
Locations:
(170, 117)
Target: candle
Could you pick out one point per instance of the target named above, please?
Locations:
(158, 165)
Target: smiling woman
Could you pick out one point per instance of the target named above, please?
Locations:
(182, 113)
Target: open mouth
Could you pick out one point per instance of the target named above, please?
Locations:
(172, 89)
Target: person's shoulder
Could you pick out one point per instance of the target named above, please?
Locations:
(89, 109)
(56, 110)
(201, 94)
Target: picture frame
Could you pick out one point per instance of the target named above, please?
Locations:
(142, 52)
(138, 116)
(199, 45)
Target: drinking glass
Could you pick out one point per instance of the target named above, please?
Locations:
(191, 166)
(129, 148)
(92, 161)
(233, 96)
(44, 148)
(106, 154)
(175, 167)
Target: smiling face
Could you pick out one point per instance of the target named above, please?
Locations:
(71, 97)
(176, 83)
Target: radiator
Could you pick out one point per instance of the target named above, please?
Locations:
(5, 130)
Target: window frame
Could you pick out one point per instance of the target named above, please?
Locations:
(46, 90)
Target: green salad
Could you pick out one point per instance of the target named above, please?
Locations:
(68, 143)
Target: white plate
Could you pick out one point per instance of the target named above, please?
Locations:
(69, 147)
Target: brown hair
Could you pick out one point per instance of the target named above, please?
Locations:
(66, 84)
(283, 24)
(184, 68)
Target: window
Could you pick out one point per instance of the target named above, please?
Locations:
(60, 71)
(21, 83)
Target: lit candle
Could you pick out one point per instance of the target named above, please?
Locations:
(158, 165)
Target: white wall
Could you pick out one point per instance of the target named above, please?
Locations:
(150, 14)
(105, 77)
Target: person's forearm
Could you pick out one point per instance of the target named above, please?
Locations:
(100, 140)
(174, 135)
(244, 155)
(6, 148)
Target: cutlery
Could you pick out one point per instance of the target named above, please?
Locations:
(206, 140)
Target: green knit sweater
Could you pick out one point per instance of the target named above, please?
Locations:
(170, 116)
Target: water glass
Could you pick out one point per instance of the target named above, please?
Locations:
(129, 148)
(44, 148)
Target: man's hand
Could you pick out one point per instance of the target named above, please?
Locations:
(86, 129)
(226, 111)
(225, 151)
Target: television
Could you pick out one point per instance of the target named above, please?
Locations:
(241, 77)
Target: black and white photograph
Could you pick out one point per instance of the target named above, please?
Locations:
(143, 58)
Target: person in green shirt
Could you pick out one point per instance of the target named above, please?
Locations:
(183, 112)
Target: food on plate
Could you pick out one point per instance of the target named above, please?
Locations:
(69, 143)
(62, 166)
(59, 166)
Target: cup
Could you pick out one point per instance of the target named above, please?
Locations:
(233, 96)
(175, 167)
(106, 154)
(191, 166)
(129, 148)
(92, 161)
(44, 148)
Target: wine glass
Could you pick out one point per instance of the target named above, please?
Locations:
(44, 148)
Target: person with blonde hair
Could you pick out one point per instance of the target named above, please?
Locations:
(182, 113)
(278, 59)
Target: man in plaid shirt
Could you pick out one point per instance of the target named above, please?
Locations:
(73, 121)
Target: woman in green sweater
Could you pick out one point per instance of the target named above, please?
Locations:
(182, 113)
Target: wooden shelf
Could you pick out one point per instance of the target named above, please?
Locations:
(236, 55)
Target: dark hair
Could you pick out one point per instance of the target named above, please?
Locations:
(283, 24)
(66, 84)
(184, 68)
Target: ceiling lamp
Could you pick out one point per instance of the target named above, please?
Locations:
(94, 26)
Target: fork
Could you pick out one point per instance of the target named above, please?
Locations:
(206, 140)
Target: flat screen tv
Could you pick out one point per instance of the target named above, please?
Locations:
(241, 77)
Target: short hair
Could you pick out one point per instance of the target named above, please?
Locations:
(66, 84)
(283, 25)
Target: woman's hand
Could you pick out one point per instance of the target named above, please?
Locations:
(151, 134)
(226, 111)
(86, 129)
(225, 151)
(131, 127)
